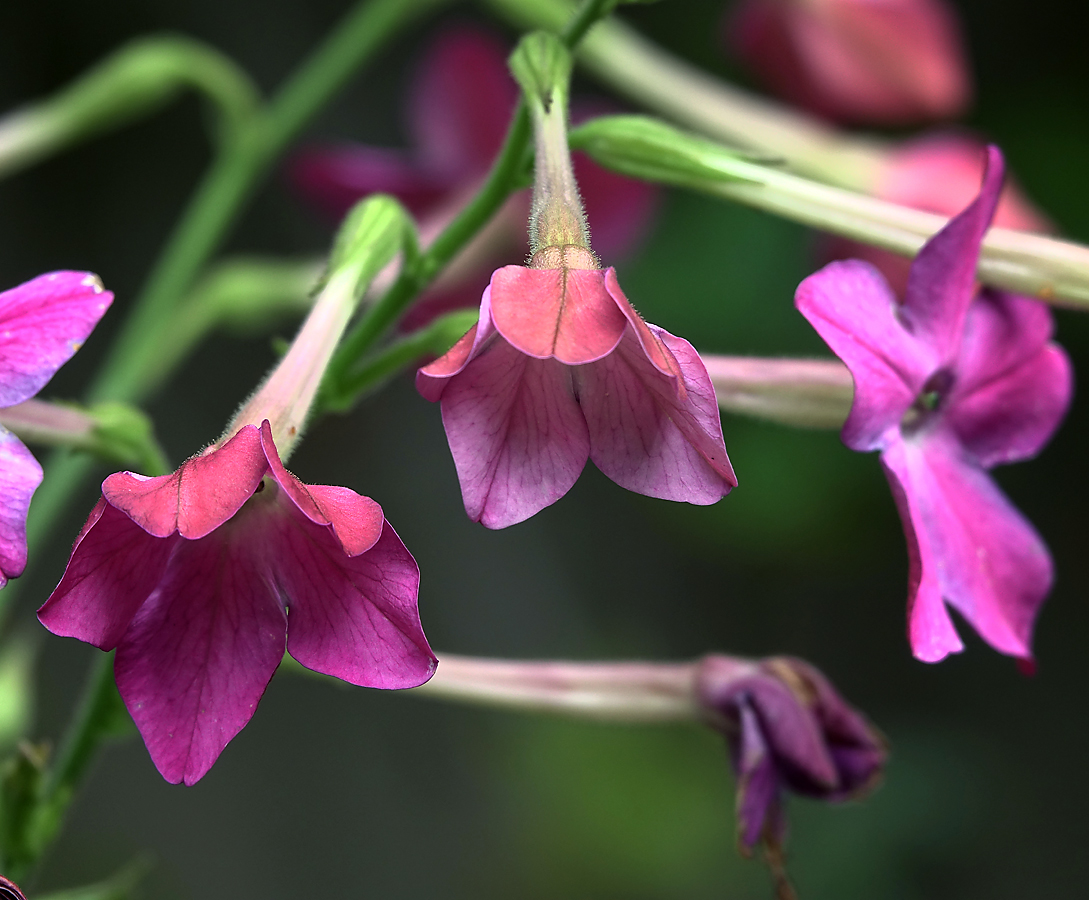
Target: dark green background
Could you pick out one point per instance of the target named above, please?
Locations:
(351, 793)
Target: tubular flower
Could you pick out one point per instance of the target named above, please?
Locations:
(202, 578)
(787, 728)
(949, 383)
(559, 369)
(890, 61)
(42, 324)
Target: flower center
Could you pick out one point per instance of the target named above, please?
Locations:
(928, 404)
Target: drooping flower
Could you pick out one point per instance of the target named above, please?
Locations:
(458, 110)
(891, 62)
(202, 578)
(42, 324)
(949, 383)
(788, 729)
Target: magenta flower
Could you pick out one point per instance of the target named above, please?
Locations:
(949, 383)
(894, 61)
(202, 578)
(559, 369)
(787, 728)
(42, 323)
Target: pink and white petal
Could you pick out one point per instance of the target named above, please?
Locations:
(42, 324)
(942, 281)
(356, 520)
(199, 654)
(353, 617)
(853, 309)
(114, 568)
(649, 434)
(20, 476)
(988, 561)
(431, 380)
(566, 314)
(201, 495)
(517, 436)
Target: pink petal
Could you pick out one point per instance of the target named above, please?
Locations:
(354, 617)
(199, 654)
(20, 476)
(200, 496)
(42, 324)
(115, 565)
(757, 780)
(851, 307)
(516, 433)
(942, 280)
(1013, 386)
(565, 314)
(355, 520)
(652, 433)
(968, 545)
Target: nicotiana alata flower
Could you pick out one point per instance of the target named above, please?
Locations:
(949, 383)
(42, 323)
(560, 368)
(890, 61)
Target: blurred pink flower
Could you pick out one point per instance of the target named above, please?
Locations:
(949, 383)
(202, 578)
(868, 61)
(42, 324)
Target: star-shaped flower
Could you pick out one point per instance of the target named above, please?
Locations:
(202, 578)
(42, 323)
(949, 383)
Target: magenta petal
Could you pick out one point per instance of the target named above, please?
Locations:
(20, 476)
(517, 435)
(355, 617)
(199, 654)
(757, 780)
(650, 434)
(942, 281)
(42, 324)
(201, 495)
(115, 566)
(851, 306)
(969, 545)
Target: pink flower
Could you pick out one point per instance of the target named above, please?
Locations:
(202, 578)
(949, 383)
(559, 369)
(881, 61)
(42, 323)
(459, 108)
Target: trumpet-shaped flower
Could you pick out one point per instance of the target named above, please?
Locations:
(42, 323)
(202, 578)
(559, 369)
(949, 383)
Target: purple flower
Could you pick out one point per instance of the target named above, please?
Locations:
(948, 384)
(787, 727)
(42, 323)
(559, 369)
(9, 890)
(202, 578)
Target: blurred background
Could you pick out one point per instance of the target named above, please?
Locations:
(344, 792)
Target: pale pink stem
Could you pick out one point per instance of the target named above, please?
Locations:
(40, 422)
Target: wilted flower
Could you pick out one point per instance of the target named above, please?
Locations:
(42, 323)
(949, 383)
(894, 61)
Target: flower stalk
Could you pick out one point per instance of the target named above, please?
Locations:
(805, 393)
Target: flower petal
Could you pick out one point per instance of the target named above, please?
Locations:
(968, 545)
(757, 780)
(517, 436)
(354, 617)
(20, 476)
(115, 565)
(431, 380)
(1013, 386)
(566, 314)
(199, 654)
(852, 308)
(201, 495)
(942, 280)
(42, 324)
(655, 434)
